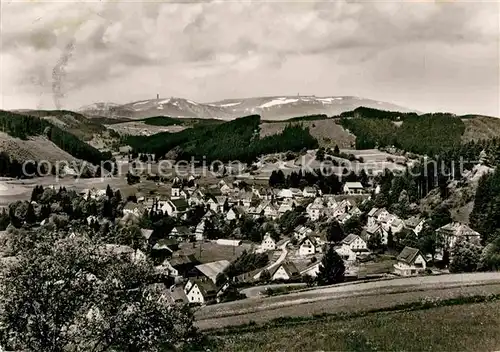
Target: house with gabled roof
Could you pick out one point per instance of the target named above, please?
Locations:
(415, 223)
(301, 231)
(234, 213)
(180, 264)
(175, 207)
(307, 246)
(284, 271)
(410, 262)
(181, 233)
(309, 192)
(353, 188)
(351, 247)
(268, 243)
(315, 209)
(456, 231)
(200, 291)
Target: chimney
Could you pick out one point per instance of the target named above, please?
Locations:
(158, 96)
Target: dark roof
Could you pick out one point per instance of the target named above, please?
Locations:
(180, 204)
(350, 239)
(408, 255)
(289, 267)
(183, 231)
(183, 259)
(207, 287)
(308, 237)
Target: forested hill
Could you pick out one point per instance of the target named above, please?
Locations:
(24, 126)
(73, 122)
(234, 140)
(426, 134)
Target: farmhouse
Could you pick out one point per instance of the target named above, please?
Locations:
(200, 291)
(309, 192)
(315, 209)
(455, 231)
(351, 246)
(353, 188)
(410, 262)
(307, 246)
(284, 271)
(268, 244)
(415, 224)
(234, 213)
(175, 207)
(181, 233)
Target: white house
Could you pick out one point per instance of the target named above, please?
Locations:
(351, 246)
(456, 231)
(285, 193)
(268, 244)
(410, 262)
(353, 188)
(234, 213)
(415, 224)
(309, 192)
(315, 209)
(175, 191)
(200, 291)
(284, 271)
(174, 207)
(307, 246)
(181, 233)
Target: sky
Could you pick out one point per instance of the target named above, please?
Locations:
(424, 55)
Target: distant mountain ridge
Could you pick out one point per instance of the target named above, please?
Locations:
(275, 108)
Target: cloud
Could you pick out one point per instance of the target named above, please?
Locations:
(194, 47)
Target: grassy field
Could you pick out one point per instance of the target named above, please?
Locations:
(211, 252)
(472, 327)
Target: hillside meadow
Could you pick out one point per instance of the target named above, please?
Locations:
(469, 327)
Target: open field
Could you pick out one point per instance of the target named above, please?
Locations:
(207, 252)
(349, 297)
(471, 327)
(327, 132)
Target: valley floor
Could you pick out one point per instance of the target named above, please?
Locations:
(471, 327)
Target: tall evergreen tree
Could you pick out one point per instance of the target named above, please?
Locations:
(331, 269)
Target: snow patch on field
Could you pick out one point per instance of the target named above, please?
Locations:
(141, 103)
(279, 101)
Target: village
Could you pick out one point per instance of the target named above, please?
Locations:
(228, 236)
